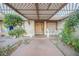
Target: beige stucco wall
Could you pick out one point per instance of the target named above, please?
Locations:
(0, 26)
(49, 28)
(60, 26)
(1, 18)
(29, 28)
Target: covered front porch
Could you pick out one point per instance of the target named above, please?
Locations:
(43, 24)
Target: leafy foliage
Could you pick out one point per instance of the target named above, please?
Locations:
(69, 28)
(17, 32)
(6, 51)
(12, 20)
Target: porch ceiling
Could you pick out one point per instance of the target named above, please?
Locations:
(37, 11)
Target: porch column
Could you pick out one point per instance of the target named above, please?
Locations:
(56, 25)
(45, 28)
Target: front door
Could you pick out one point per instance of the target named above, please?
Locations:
(39, 28)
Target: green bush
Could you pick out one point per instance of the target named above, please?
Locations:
(17, 32)
(69, 28)
(8, 50)
(12, 20)
(5, 51)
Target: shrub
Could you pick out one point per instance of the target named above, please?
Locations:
(11, 21)
(69, 28)
(6, 51)
(17, 32)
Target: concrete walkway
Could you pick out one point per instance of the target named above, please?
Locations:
(38, 47)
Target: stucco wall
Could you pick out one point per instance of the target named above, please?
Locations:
(29, 28)
(48, 27)
(0, 26)
(60, 26)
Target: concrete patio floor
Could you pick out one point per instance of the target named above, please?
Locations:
(38, 47)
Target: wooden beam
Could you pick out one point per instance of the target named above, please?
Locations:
(57, 10)
(46, 20)
(40, 10)
(36, 14)
(35, 10)
(36, 4)
(64, 18)
(15, 9)
(49, 6)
